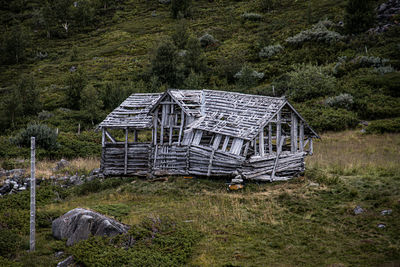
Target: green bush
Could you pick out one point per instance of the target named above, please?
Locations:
(118, 211)
(384, 126)
(359, 15)
(45, 137)
(318, 33)
(154, 242)
(181, 8)
(269, 51)
(252, 16)
(247, 77)
(10, 242)
(207, 40)
(306, 82)
(323, 118)
(165, 63)
(344, 101)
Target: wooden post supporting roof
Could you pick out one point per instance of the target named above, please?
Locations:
(278, 129)
(261, 142)
(155, 123)
(181, 127)
(301, 145)
(270, 138)
(295, 133)
(126, 151)
(103, 138)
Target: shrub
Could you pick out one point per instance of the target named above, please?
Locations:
(384, 126)
(207, 40)
(306, 82)
(75, 83)
(181, 8)
(270, 51)
(44, 115)
(45, 137)
(318, 33)
(14, 44)
(118, 211)
(154, 242)
(252, 16)
(359, 15)
(165, 63)
(180, 35)
(344, 101)
(194, 58)
(380, 65)
(10, 242)
(247, 77)
(194, 81)
(323, 118)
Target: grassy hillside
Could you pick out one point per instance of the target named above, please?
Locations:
(307, 221)
(114, 51)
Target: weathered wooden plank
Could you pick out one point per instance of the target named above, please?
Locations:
(261, 143)
(301, 137)
(126, 149)
(270, 138)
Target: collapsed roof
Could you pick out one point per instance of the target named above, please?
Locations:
(227, 113)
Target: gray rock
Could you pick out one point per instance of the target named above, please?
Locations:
(358, 210)
(381, 225)
(386, 212)
(382, 7)
(59, 254)
(94, 172)
(61, 164)
(67, 262)
(6, 188)
(75, 180)
(78, 224)
(312, 184)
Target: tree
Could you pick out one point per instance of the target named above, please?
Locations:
(194, 58)
(359, 16)
(14, 44)
(165, 63)
(11, 108)
(91, 104)
(75, 82)
(194, 81)
(180, 8)
(180, 35)
(29, 95)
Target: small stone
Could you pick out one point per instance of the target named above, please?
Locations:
(312, 184)
(59, 254)
(358, 210)
(381, 225)
(67, 262)
(386, 212)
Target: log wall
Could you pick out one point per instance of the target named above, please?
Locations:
(113, 159)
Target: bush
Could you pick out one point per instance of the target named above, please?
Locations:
(194, 58)
(45, 137)
(180, 35)
(306, 82)
(323, 118)
(344, 101)
(251, 16)
(10, 242)
(75, 83)
(318, 33)
(270, 51)
(44, 115)
(154, 242)
(359, 15)
(384, 126)
(165, 63)
(380, 65)
(181, 8)
(207, 40)
(247, 77)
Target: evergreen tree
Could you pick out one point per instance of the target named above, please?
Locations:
(11, 108)
(29, 94)
(180, 8)
(14, 44)
(194, 58)
(165, 63)
(91, 104)
(75, 82)
(359, 16)
(180, 35)
(194, 81)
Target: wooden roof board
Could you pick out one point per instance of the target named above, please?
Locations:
(133, 112)
(228, 113)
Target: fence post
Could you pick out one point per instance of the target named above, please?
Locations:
(33, 197)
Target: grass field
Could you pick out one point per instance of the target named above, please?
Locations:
(308, 221)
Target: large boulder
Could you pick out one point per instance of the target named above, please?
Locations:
(78, 224)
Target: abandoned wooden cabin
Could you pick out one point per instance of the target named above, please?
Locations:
(206, 133)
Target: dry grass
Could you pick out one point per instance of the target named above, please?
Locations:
(351, 150)
(45, 168)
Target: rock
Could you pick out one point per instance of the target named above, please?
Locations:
(313, 184)
(94, 172)
(59, 254)
(386, 212)
(67, 262)
(6, 188)
(382, 7)
(358, 210)
(381, 225)
(61, 164)
(78, 224)
(75, 180)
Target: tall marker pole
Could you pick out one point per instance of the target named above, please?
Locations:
(33, 197)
